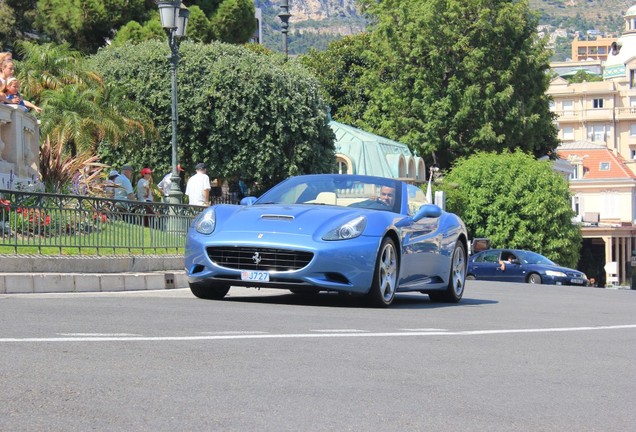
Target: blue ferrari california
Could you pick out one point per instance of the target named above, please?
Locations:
(329, 232)
(514, 265)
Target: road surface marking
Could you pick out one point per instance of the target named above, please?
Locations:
(313, 335)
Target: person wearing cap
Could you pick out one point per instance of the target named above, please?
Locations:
(124, 188)
(144, 186)
(166, 182)
(198, 187)
(109, 190)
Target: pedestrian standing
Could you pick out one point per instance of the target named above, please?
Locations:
(144, 186)
(198, 187)
(124, 188)
(166, 182)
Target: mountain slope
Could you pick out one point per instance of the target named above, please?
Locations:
(316, 22)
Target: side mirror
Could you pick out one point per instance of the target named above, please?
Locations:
(248, 201)
(428, 211)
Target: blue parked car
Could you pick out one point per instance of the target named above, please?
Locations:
(515, 265)
(353, 234)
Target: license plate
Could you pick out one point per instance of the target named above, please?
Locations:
(576, 281)
(255, 276)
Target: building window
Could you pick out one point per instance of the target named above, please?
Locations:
(632, 78)
(568, 133)
(632, 129)
(576, 205)
(575, 172)
(632, 154)
(604, 166)
(597, 103)
(609, 203)
(597, 133)
(568, 107)
(341, 167)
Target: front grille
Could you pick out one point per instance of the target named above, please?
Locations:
(263, 259)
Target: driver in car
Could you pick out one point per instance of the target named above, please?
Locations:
(384, 201)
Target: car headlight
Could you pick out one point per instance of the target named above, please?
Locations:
(206, 222)
(348, 230)
(554, 273)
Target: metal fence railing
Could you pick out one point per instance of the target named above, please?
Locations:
(42, 223)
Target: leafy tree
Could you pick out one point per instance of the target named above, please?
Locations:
(450, 77)
(199, 29)
(87, 23)
(242, 113)
(517, 202)
(340, 69)
(7, 25)
(133, 32)
(234, 21)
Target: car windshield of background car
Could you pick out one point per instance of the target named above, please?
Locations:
(535, 258)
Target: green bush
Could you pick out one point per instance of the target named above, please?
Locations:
(242, 113)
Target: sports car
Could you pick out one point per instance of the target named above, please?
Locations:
(353, 234)
(515, 265)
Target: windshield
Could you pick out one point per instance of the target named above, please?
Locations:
(533, 258)
(339, 190)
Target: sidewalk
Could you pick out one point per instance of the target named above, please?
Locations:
(22, 274)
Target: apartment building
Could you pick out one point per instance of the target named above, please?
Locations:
(591, 48)
(597, 127)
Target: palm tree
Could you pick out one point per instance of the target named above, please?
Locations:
(51, 67)
(82, 117)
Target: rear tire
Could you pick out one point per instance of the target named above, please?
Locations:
(534, 278)
(457, 279)
(385, 276)
(209, 290)
(470, 277)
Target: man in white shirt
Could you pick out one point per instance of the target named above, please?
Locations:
(166, 182)
(124, 189)
(198, 187)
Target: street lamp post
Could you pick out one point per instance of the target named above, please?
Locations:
(284, 26)
(174, 18)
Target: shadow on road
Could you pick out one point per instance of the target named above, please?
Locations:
(329, 299)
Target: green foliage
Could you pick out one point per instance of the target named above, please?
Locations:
(199, 26)
(50, 67)
(450, 77)
(244, 114)
(340, 69)
(517, 202)
(234, 21)
(133, 32)
(86, 23)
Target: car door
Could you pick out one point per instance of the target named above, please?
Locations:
(513, 271)
(485, 265)
(421, 258)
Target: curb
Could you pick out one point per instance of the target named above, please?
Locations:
(38, 283)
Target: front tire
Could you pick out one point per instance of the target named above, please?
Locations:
(209, 290)
(534, 278)
(385, 276)
(457, 279)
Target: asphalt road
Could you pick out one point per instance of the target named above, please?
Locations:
(507, 358)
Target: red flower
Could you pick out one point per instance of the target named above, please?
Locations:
(47, 220)
(6, 204)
